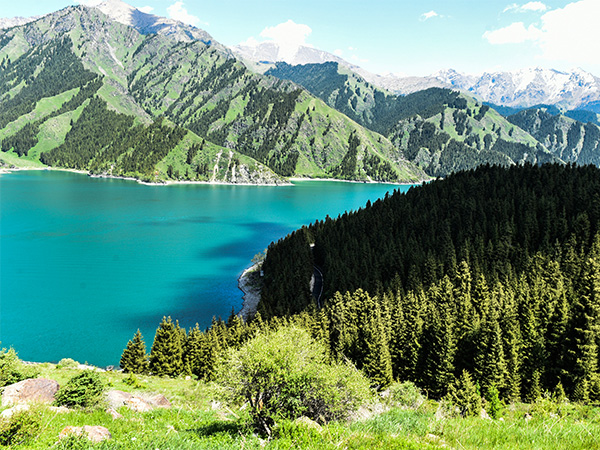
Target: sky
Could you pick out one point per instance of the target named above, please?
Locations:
(398, 36)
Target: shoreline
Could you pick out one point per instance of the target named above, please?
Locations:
(289, 182)
(251, 292)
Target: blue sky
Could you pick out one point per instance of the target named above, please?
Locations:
(407, 37)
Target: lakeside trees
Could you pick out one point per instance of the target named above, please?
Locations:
(491, 275)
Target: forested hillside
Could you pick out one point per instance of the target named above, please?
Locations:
(569, 139)
(74, 83)
(494, 271)
(440, 130)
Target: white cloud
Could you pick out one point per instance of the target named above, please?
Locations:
(515, 33)
(527, 7)
(146, 9)
(429, 15)
(178, 12)
(289, 36)
(571, 33)
(567, 34)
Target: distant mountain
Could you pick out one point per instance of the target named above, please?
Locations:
(16, 21)
(150, 24)
(568, 139)
(522, 88)
(86, 90)
(440, 130)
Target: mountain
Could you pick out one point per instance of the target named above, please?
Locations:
(576, 89)
(522, 88)
(16, 21)
(440, 130)
(568, 139)
(146, 23)
(80, 89)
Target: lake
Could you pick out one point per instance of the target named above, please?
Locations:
(85, 262)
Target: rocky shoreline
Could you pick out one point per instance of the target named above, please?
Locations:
(249, 283)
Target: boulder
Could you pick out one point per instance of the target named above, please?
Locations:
(116, 398)
(8, 413)
(138, 404)
(160, 401)
(38, 390)
(93, 433)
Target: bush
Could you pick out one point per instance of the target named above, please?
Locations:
(19, 428)
(284, 375)
(406, 395)
(67, 363)
(84, 390)
(12, 370)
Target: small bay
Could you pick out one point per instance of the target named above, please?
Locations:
(84, 262)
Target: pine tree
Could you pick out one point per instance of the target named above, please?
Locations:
(134, 358)
(166, 355)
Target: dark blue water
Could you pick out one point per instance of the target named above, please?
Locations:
(84, 262)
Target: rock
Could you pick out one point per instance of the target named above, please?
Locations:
(39, 390)
(116, 398)
(160, 401)
(527, 417)
(484, 415)
(113, 413)
(15, 409)
(138, 404)
(308, 423)
(93, 433)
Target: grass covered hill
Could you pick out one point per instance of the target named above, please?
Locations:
(81, 91)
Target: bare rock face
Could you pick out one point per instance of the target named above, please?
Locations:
(8, 413)
(35, 390)
(93, 433)
(138, 404)
(114, 414)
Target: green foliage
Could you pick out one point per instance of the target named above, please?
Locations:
(134, 358)
(285, 375)
(464, 396)
(494, 404)
(67, 363)
(84, 391)
(19, 428)
(166, 355)
(12, 370)
(406, 395)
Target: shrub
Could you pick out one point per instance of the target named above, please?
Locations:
(12, 369)
(405, 395)
(83, 390)
(67, 363)
(19, 428)
(284, 375)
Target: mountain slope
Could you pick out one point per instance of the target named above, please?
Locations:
(441, 130)
(568, 139)
(218, 109)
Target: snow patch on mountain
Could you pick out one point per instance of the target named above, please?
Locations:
(146, 23)
(16, 21)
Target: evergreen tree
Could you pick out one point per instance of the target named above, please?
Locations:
(166, 355)
(134, 358)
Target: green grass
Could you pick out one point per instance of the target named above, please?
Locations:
(193, 423)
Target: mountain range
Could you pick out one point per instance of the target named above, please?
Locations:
(118, 92)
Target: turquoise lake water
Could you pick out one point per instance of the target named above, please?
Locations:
(84, 262)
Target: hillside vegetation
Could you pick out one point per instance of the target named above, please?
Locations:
(79, 90)
(494, 272)
(443, 131)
